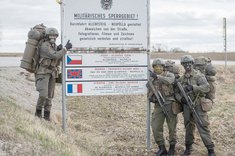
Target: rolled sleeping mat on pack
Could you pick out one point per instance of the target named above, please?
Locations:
(34, 36)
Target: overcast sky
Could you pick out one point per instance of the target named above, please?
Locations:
(192, 25)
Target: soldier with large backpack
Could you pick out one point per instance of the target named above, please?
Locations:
(42, 57)
(193, 87)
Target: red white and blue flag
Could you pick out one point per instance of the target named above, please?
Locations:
(74, 59)
(74, 73)
(74, 88)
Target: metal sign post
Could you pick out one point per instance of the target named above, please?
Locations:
(225, 41)
(148, 55)
(63, 69)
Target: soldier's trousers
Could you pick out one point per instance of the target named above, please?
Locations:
(190, 120)
(158, 119)
(45, 85)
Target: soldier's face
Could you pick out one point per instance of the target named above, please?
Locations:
(158, 69)
(52, 39)
(188, 66)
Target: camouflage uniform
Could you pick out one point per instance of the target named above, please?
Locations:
(164, 83)
(200, 87)
(47, 72)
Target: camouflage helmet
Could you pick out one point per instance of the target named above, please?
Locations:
(208, 59)
(52, 32)
(40, 27)
(169, 63)
(201, 60)
(186, 59)
(158, 61)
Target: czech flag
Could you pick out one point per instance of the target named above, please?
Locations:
(74, 59)
(74, 88)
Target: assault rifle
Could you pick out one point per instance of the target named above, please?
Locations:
(159, 97)
(189, 101)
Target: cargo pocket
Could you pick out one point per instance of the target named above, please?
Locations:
(176, 108)
(205, 119)
(206, 104)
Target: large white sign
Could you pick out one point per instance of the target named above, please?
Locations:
(105, 88)
(105, 23)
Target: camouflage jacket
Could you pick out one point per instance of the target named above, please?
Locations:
(199, 83)
(49, 58)
(164, 83)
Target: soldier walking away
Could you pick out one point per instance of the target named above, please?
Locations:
(195, 106)
(50, 56)
(160, 92)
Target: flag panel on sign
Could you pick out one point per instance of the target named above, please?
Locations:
(74, 88)
(74, 73)
(74, 59)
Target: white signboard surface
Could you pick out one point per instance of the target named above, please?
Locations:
(107, 59)
(105, 24)
(106, 73)
(105, 88)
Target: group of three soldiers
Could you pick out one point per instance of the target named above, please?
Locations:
(194, 82)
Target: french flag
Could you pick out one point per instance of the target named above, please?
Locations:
(74, 59)
(74, 88)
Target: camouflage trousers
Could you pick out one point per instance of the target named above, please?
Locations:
(190, 121)
(45, 85)
(158, 119)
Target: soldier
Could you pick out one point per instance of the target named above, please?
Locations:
(47, 72)
(163, 82)
(171, 67)
(196, 87)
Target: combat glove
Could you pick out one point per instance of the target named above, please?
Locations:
(152, 74)
(148, 85)
(153, 99)
(59, 47)
(183, 100)
(68, 45)
(188, 88)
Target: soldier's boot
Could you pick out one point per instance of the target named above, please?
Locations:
(171, 150)
(38, 113)
(211, 152)
(162, 151)
(47, 115)
(188, 150)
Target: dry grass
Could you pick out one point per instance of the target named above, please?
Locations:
(23, 134)
(108, 125)
(117, 124)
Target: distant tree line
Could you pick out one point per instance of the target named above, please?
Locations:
(162, 48)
